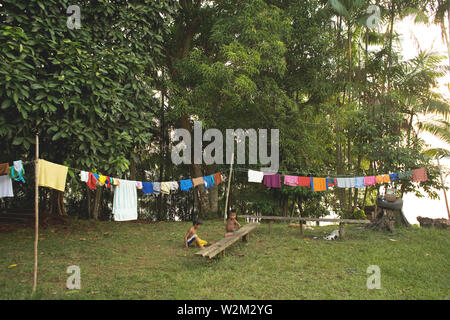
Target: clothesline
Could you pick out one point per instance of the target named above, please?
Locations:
(244, 169)
(303, 174)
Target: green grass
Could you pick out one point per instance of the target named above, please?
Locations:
(149, 261)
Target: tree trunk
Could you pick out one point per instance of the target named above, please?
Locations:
(386, 220)
(57, 207)
(97, 203)
(203, 203)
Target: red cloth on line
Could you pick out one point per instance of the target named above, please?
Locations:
(419, 175)
(304, 181)
(217, 178)
(108, 183)
(92, 182)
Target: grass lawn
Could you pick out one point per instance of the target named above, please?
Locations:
(148, 261)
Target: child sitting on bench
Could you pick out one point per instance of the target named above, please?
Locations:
(191, 238)
(232, 224)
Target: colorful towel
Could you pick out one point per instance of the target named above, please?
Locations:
(419, 175)
(304, 181)
(291, 181)
(272, 180)
(52, 175)
(370, 180)
(319, 184)
(186, 185)
(147, 187)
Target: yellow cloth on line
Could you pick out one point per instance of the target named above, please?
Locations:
(52, 175)
(102, 179)
(165, 187)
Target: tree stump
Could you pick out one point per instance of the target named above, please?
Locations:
(387, 220)
(434, 223)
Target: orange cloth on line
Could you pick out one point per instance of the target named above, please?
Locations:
(383, 178)
(217, 178)
(52, 175)
(198, 181)
(419, 175)
(4, 169)
(319, 184)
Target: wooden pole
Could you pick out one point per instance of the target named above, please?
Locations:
(442, 182)
(36, 213)
(228, 187)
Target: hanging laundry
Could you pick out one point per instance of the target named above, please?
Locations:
(209, 181)
(419, 175)
(186, 185)
(84, 176)
(92, 181)
(147, 187)
(272, 180)
(108, 182)
(17, 171)
(198, 181)
(386, 178)
(101, 180)
(304, 181)
(359, 182)
(217, 178)
(165, 187)
(6, 188)
(125, 201)
(139, 184)
(379, 179)
(255, 176)
(407, 175)
(393, 176)
(331, 182)
(4, 169)
(345, 182)
(156, 188)
(370, 180)
(291, 181)
(52, 175)
(319, 184)
(173, 186)
(116, 182)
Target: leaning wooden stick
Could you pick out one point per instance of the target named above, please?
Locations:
(36, 214)
(228, 188)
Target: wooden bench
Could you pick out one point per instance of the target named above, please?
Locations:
(341, 222)
(220, 246)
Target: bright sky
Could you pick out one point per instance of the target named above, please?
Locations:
(428, 38)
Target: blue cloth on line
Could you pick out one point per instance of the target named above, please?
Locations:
(147, 187)
(394, 176)
(359, 182)
(186, 185)
(96, 175)
(209, 181)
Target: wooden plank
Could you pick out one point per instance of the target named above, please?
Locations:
(306, 219)
(221, 245)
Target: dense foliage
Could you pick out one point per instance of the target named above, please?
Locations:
(106, 96)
